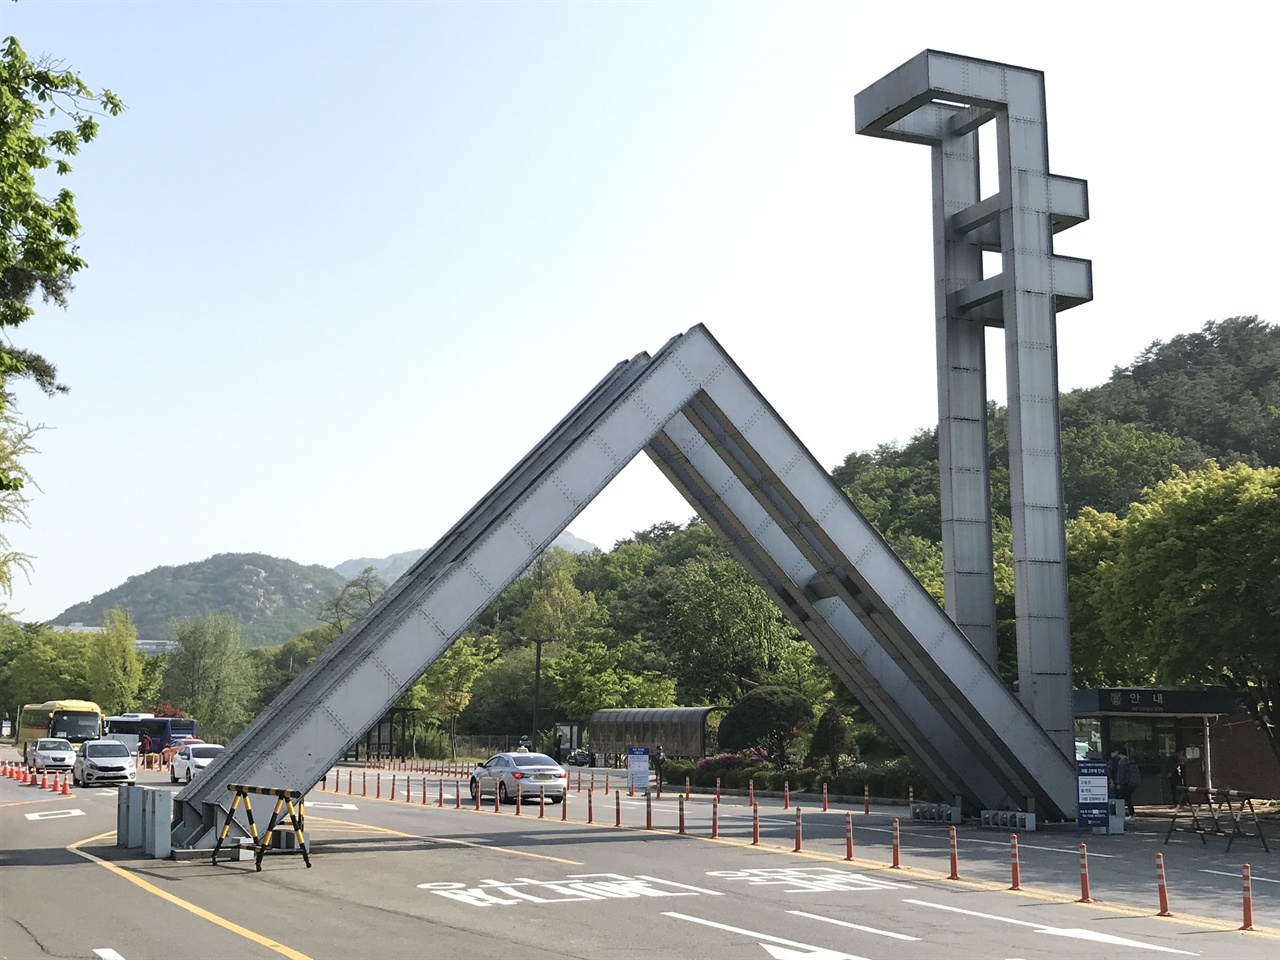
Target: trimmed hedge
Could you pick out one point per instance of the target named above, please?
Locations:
(886, 778)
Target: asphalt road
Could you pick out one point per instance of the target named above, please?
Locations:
(395, 879)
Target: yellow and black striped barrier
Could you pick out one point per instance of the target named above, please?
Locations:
(286, 801)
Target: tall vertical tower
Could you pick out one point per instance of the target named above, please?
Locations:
(941, 99)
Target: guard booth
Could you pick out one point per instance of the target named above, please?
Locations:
(1153, 725)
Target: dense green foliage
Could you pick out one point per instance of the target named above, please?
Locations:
(769, 717)
(270, 599)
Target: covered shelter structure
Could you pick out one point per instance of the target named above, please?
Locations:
(681, 731)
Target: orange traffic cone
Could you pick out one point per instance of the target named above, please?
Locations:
(44, 780)
(54, 785)
(66, 786)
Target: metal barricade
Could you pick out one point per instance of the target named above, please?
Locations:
(285, 801)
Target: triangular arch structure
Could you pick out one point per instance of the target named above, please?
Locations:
(729, 453)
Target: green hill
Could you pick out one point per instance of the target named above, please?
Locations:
(273, 599)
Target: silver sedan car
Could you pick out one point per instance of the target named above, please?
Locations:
(528, 774)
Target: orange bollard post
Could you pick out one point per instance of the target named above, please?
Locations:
(866, 800)
(755, 824)
(564, 807)
(497, 802)
(408, 790)
(440, 795)
(955, 857)
(542, 803)
(617, 809)
(799, 834)
(717, 789)
(591, 785)
(364, 783)
(848, 835)
(348, 783)
(681, 831)
(1247, 877)
(518, 793)
(648, 812)
(686, 788)
(606, 784)
(477, 798)
(1015, 871)
(911, 796)
(457, 794)
(897, 845)
(591, 812)
(824, 797)
(579, 781)
(751, 792)
(379, 786)
(786, 794)
(715, 819)
(1163, 889)
(631, 786)
(1084, 875)
(324, 782)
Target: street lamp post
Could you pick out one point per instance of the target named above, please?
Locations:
(537, 683)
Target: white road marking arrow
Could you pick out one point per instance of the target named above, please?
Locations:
(777, 947)
(1074, 933)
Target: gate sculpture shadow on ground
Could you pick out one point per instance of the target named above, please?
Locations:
(727, 451)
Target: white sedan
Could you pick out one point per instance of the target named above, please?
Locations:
(191, 759)
(50, 755)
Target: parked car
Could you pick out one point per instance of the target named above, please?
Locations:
(528, 774)
(50, 754)
(104, 761)
(191, 758)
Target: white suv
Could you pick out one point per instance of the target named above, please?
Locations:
(104, 761)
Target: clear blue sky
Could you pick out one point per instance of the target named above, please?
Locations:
(348, 262)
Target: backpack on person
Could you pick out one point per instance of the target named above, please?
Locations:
(1132, 775)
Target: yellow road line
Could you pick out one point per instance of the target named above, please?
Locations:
(23, 803)
(204, 914)
(460, 843)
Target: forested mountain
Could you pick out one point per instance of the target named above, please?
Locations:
(271, 599)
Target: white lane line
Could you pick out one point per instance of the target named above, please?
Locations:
(106, 953)
(811, 952)
(54, 814)
(324, 805)
(853, 926)
(1074, 851)
(1223, 873)
(1075, 933)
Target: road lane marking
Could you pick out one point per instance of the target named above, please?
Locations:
(998, 843)
(672, 883)
(1075, 933)
(54, 814)
(1223, 873)
(22, 803)
(461, 843)
(325, 805)
(853, 926)
(187, 905)
(106, 953)
(810, 951)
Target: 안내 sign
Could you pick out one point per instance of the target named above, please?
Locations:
(638, 768)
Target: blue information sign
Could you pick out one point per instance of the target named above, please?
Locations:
(1091, 793)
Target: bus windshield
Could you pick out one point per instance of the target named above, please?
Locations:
(75, 726)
